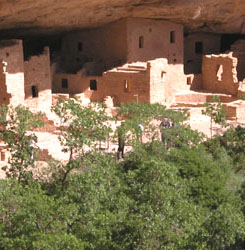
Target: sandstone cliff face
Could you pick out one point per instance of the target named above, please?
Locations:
(27, 17)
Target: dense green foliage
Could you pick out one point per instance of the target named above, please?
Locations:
(15, 124)
(159, 197)
(216, 112)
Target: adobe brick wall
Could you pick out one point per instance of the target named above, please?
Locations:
(195, 81)
(193, 60)
(113, 84)
(73, 84)
(12, 76)
(177, 81)
(159, 77)
(4, 95)
(105, 45)
(151, 82)
(238, 49)
(37, 73)
(235, 110)
(225, 81)
(240, 65)
(165, 80)
(117, 43)
(77, 85)
(156, 40)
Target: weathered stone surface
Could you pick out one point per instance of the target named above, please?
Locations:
(51, 16)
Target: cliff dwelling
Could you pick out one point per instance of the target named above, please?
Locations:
(133, 58)
(145, 60)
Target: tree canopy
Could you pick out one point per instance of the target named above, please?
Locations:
(159, 197)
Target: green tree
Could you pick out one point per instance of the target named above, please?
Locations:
(216, 112)
(233, 141)
(82, 127)
(149, 115)
(30, 219)
(16, 124)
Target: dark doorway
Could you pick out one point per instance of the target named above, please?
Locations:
(34, 91)
(198, 47)
(141, 42)
(93, 85)
(64, 83)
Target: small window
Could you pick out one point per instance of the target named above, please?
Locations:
(219, 72)
(163, 75)
(198, 47)
(93, 85)
(7, 54)
(172, 36)
(189, 80)
(34, 91)
(64, 83)
(80, 46)
(127, 86)
(141, 42)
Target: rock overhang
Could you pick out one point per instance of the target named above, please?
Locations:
(49, 17)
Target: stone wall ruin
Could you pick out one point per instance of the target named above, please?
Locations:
(12, 72)
(38, 81)
(197, 45)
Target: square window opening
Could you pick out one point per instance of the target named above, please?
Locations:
(141, 42)
(198, 47)
(127, 86)
(80, 46)
(93, 85)
(34, 91)
(64, 83)
(172, 36)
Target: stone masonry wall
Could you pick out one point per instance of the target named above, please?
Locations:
(76, 84)
(165, 80)
(240, 65)
(192, 58)
(158, 79)
(235, 110)
(151, 82)
(156, 40)
(12, 77)
(4, 95)
(238, 49)
(114, 83)
(37, 75)
(105, 45)
(219, 74)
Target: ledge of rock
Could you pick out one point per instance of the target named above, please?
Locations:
(30, 17)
